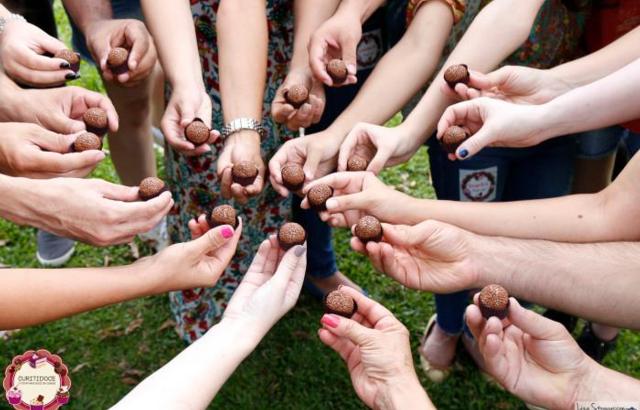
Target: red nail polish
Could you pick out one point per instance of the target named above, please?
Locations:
(330, 320)
(227, 232)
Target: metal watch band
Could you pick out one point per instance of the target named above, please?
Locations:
(10, 17)
(243, 124)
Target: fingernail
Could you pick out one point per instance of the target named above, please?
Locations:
(351, 68)
(463, 153)
(71, 76)
(299, 250)
(330, 320)
(331, 204)
(65, 65)
(227, 232)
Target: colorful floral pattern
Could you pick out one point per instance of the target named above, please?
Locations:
(194, 182)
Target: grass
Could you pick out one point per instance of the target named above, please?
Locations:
(109, 350)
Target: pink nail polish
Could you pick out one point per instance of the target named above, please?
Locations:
(330, 320)
(227, 232)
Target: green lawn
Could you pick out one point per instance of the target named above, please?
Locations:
(111, 349)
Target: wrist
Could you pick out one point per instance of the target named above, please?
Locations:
(402, 392)
(358, 9)
(549, 120)
(244, 335)
(489, 269)
(244, 137)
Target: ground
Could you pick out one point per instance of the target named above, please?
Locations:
(109, 350)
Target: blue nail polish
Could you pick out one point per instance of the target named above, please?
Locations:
(463, 153)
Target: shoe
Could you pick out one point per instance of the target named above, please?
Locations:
(435, 374)
(317, 291)
(158, 237)
(53, 250)
(593, 346)
(568, 321)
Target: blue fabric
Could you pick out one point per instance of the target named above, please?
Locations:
(599, 143)
(630, 143)
(498, 174)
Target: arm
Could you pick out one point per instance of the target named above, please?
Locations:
(86, 12)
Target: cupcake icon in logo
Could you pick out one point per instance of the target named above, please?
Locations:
(63, 395)
(14, 395)
(37, 403)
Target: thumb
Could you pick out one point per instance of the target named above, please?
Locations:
(347, 328)
(398, 234)
(311, 164)
(481, 81)
(538, 326)
(474, 144)
(379, 160)
(67, 125)
(349, 48)
(292, 266)
(211, 240)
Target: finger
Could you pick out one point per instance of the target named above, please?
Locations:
(225, 183)
(534, 324)
(293, 262)
(281, 112)
(195, 229)
(140, 45)
(349, 49)
(45, 78)
(256, 187)
(347, 147)
(211, 240)
(311, 164)
(117, 192)
(238, 193)
(340, 345)
(65, 163)
(374, 253)
(346, 328)
(53, 141)
(496, 78)
(379, 161)
(475, 321)
(337, 204)
(474, 144)
(40, 62)
(371, 310)
(317, 51)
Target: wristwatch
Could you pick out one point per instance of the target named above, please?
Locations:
(10, 17)
(243, 123)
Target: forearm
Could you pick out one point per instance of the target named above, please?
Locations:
(85, 12)
(3, 11)
(364, 8)
(605, 384)
(208, 362)
(405, 394)
(309, 15)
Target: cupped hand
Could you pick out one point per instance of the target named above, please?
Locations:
(28, 150)
(316, 153)
(533, 357)
(375, 347)
(104, 35)
(308, 113)
(431, 256)
(22, 53)
(238, 147)
(270, 288)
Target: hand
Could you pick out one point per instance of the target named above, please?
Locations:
(310, 112)
(375, 347)
(28, 150)
(316, 153)
(22, 49)
(494, 123)
(337, 37)
(186, 104)
(516, 84)
(59, 109)
(93, 211)
(198, 263)
(387, 146)
(103, 35)
(270, 288)
(531, 356)
(431, 256)
(240, 146)
(356, 194)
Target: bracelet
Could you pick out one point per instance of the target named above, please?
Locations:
(243, 123)
(11, 17)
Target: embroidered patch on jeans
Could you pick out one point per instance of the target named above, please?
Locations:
(369, 49)
(478, 185)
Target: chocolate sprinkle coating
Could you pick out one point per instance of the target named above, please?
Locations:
(368, 229)
(494, 301)
(223, 215)
(297, 95)
(197, 132)
(452, 138)
(70, 57)
(339, 303)
(318, 196)
(87, 141)
(290, 235)
(292, 176)
(244, 173)
(96, 120)
(455, 74)
(150, 188)
(357, 163)
(337, 70)
(117, 60)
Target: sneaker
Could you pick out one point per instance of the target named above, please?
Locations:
(53, 250)
(158, 237)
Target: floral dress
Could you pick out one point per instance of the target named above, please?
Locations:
(194, 181)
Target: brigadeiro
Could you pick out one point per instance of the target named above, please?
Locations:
(337, 70)
(151, 187)
(117, 60)
(368, 229)
(494, 301)
(297, 95)
(340, 303)
(455, 74)
(357, 163)
(223, 215)
(70, 57)
(318, 195)
(452, 138)
(85, 142)
(96, 120)
(244, 173)
(197, 132)
(292, 176)
(290, 235)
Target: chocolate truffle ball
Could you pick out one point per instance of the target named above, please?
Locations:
(223, 215)
(244, 173)
(197, 132)
(117, 60)
(292, 176)
(151, 187)
(455, 74)
(494, 301)
(368, 229)
(337, 70)
(290, 235)
(70, 57)
(338, 302)
(357, 163)
(96, 121)
(452, 138)
(297, 95)
(318, 195)
(85, 142)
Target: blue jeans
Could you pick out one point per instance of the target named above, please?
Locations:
(498, 174)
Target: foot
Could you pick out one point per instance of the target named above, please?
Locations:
(593, 344)
(439, 348)
(53, 250)
(326, 285)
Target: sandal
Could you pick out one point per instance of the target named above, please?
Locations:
(436, 375)
(593, 346)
